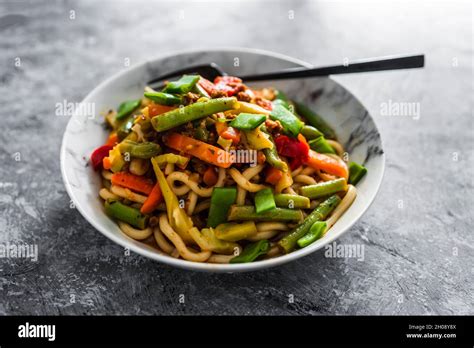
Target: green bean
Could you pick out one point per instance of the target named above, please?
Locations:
(247, 212)
(315, 232)
(140, 150)
(288, 243)
(356, 172)
(221, 200)
(315, 120)
(321, 145)
(323, 189)
(286, 200)
(271, 155)
(127, 214)
(290, 123)
(252, 251)
(264, 201)
(246, 121)
(164, 98)
(310, 132)
(180, 116)
(182, 86)
(126, 108)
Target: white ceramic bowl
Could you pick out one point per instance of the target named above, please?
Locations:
(354, 127)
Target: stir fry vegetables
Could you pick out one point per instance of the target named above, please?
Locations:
(215, 171)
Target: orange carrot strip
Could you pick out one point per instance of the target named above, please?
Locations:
(328, 164)
(133, 182)
(206, 152)
(157, 109)
(154, 198)
(273, 175)
(227, 132)
(112, 140)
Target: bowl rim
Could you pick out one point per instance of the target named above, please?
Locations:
(202, 266)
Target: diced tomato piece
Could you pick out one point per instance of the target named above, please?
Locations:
(98, 155)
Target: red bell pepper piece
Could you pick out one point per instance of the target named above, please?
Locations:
(98, 155)
(296, 149)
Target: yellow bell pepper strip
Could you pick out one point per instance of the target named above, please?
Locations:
(315, 120)
(288, 243)
(233, 232)
(264, 201)
(315, 232)
(126, 108)
(252, 251)
(206, 152)
(250, 108)
(218, 245)
(290, 123)
(127, 214)
(177, 217)
(246, 121)
(258, 140)
(356, 172)
(221, 200)
(164, 98)
(182, 86)
(114, 161)
(139, 150)
(180, 116)
(285, 181)
(248, 213)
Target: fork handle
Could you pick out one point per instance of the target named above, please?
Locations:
(385, 63)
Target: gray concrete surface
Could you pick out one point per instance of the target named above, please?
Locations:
(417, 235)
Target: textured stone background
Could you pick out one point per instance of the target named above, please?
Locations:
(418, 259)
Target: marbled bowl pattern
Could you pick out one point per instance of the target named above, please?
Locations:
(354, 127)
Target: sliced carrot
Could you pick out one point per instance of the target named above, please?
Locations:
(273, 175)
(154, 198)
(206, 152)
(210, 176)
(157, 109)
(328, 164)
(112, 140)
(227, 132)
(106, 163)
(133, 182)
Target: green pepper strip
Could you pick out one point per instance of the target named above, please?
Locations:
(315, 120)
(264, 201)
(127, 214)
(271, 155)
(286, 200)
(140, 150)
(252, 251)
(315, 232)
(247, 212)
(310, 132)
(247, 121)
(321, 145)
(288, 243)
(126, 108)
(182, 86)
(221, 200)
(164, 98)
(126, 127)
(356, 172)
(291, 124)
(234, 232)
(325, 188)
(180, 116)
